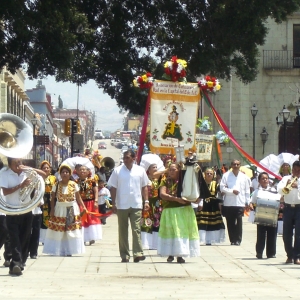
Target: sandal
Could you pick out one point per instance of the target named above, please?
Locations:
(170, 258)
(180, 260)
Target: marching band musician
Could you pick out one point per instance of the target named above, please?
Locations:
(12, 180)
(291, 213)
(264, 233)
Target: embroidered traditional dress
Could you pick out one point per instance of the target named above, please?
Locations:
(46, 207)
(92, 230)
(178, 232)
(151, 219)
(210, 222)
(64, 235)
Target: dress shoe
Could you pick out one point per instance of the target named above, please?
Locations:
(180, 260)
(6, 264)
(139, 258)
(16, 270)
(125, 260)
(297, 261)
(237, 243)
(170, 258)
(92, 242)
(232, 243)
(259, 256)
(289, 261)
(271, 256)
(33, 257)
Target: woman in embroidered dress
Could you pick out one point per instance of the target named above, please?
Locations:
(64, 236)
(46, 207)
(151, 218)
(92, 230)
(178, 232)
(210, 222)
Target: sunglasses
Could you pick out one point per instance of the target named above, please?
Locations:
(235, 164)
(209, 173)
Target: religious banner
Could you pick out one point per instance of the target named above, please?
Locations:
(174, 111)
(204, 144)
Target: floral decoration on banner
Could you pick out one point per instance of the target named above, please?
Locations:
(222, 137)
(204, 124)
(175, 69)
(144, 81)
(210, 84)
(189, 135)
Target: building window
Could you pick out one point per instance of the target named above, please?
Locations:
(296, 45)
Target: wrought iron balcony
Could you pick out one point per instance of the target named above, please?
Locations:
(280, 59)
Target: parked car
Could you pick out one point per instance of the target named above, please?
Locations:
(102, 145)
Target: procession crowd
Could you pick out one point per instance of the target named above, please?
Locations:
(173, 209)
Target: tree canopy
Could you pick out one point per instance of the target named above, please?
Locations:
(113, 41)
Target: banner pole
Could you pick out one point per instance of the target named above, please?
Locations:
(144, 131)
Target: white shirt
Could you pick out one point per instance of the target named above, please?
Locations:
(9, 179)
(257, 191)
(294, 195)
(37, 210)
(241, 183)
(105, 193)
(254, 183)
(129, 185)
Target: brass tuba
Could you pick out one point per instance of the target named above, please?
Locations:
(16, 140)
(108, 163)
(286, 190)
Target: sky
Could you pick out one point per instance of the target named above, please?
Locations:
(90, 98)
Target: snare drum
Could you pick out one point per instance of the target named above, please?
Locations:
(266, 212)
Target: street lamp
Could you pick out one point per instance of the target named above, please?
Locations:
(62, 150)
(285, 114)
(264, 138)
(53, 140)
(34, 122)
(297, 105)
(254, 111)
(44, 131)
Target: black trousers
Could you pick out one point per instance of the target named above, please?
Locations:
(4, 238)
(35, 235)
(266, 234)
(102, 210)
(291, 220)
(19, 229)
(234, 218)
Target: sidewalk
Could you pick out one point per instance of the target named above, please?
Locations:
(222, 272)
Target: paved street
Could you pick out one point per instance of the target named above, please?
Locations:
(222, 272)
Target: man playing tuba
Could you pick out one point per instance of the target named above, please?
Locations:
(12, 181)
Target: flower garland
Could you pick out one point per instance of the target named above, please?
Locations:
(222, 137)
(175, 69)
(204, 124)
(144, 81)
(209, 84)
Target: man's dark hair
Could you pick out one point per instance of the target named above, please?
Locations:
(130, 152)
(296, 163)
(9, 160)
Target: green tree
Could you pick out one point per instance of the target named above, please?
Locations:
(113, 41)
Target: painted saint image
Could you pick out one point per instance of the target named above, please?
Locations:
(172, 129)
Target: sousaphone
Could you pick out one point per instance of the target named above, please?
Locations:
(16, 140)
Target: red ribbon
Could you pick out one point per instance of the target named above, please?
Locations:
(227, 131)
(84, 216)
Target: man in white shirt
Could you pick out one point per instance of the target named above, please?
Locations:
(128, 184)
(291, 213)
(19, 226)
(236, 187)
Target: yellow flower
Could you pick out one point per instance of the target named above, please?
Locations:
(135, 83)
(218, 86)
(210, 84)
(145, 78)
(182, 62)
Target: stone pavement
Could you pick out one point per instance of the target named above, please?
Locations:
(222, 272)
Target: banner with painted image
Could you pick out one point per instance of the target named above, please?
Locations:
(204, 144)
(174, 111)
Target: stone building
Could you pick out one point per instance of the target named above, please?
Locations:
(276, 85)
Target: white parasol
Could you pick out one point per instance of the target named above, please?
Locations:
(273, 162)
(149, 159)
(77, 160)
